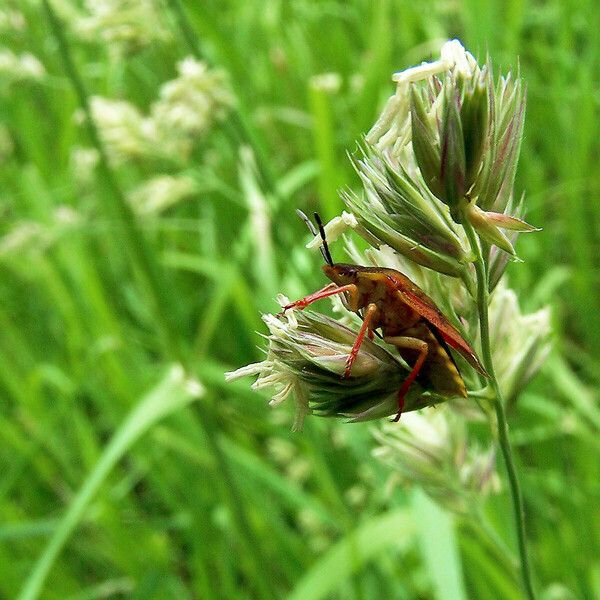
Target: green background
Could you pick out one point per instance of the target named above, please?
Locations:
(220, 499)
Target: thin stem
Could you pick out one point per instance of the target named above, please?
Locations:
(495, 540)
(489, 538)
(486, 351)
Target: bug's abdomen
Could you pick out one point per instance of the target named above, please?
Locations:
(439, 372)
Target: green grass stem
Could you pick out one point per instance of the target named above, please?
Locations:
(502, 423)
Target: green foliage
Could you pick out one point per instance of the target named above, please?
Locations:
(97, 301)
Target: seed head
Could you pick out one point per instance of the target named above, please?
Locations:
(397, 209)
(15, 68)
(189, 104)
(185, 110)
(445, 149)
(160, 193)
(125, 25)
(306, 359)
(432, 449)
(520, 341)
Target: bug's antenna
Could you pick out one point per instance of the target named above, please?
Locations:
(324, 248)
(308, 222)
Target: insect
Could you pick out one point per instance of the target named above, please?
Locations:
(408, 318)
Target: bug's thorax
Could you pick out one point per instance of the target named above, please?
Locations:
(374, 286)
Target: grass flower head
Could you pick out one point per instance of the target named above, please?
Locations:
(306, 358)
(433, 450)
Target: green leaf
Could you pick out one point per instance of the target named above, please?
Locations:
(172, 393)
(439, 548)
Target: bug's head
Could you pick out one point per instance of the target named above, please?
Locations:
(341, 274)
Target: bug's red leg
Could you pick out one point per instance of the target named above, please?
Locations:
(328, 290)
(367, 319)
(413, 344)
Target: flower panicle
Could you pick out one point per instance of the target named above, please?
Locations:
(520, 342)
(444, 150)
(185, 110)
(396, 209)
(17, 68)
(306, 359)
(161, 192)
(127, 25)
(432, 449)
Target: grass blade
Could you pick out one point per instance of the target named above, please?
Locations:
(352, 552)
(439, 548)
(171, 394)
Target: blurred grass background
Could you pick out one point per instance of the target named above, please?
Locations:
(102, 497)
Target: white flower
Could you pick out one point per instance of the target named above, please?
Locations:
(186, 109)
(11, 21)
(83, 162)
(520, 342)
(123, 128)
(327, 82)
(25, 236)
(336, 227)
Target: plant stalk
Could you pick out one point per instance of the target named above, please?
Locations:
(486, 355)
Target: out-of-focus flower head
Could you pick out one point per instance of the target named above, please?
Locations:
(83, 162)
(125, 25)
(432, 450)
(20, 67)
(186, 109)
(520, 342)
(160, 193)
(306, 359)
(192, 102)
(125, 131)
(11, 21)
(27, 239)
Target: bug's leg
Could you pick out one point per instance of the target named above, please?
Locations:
(413, 344)
(370, 331)
(328, 290)
(368, 316)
